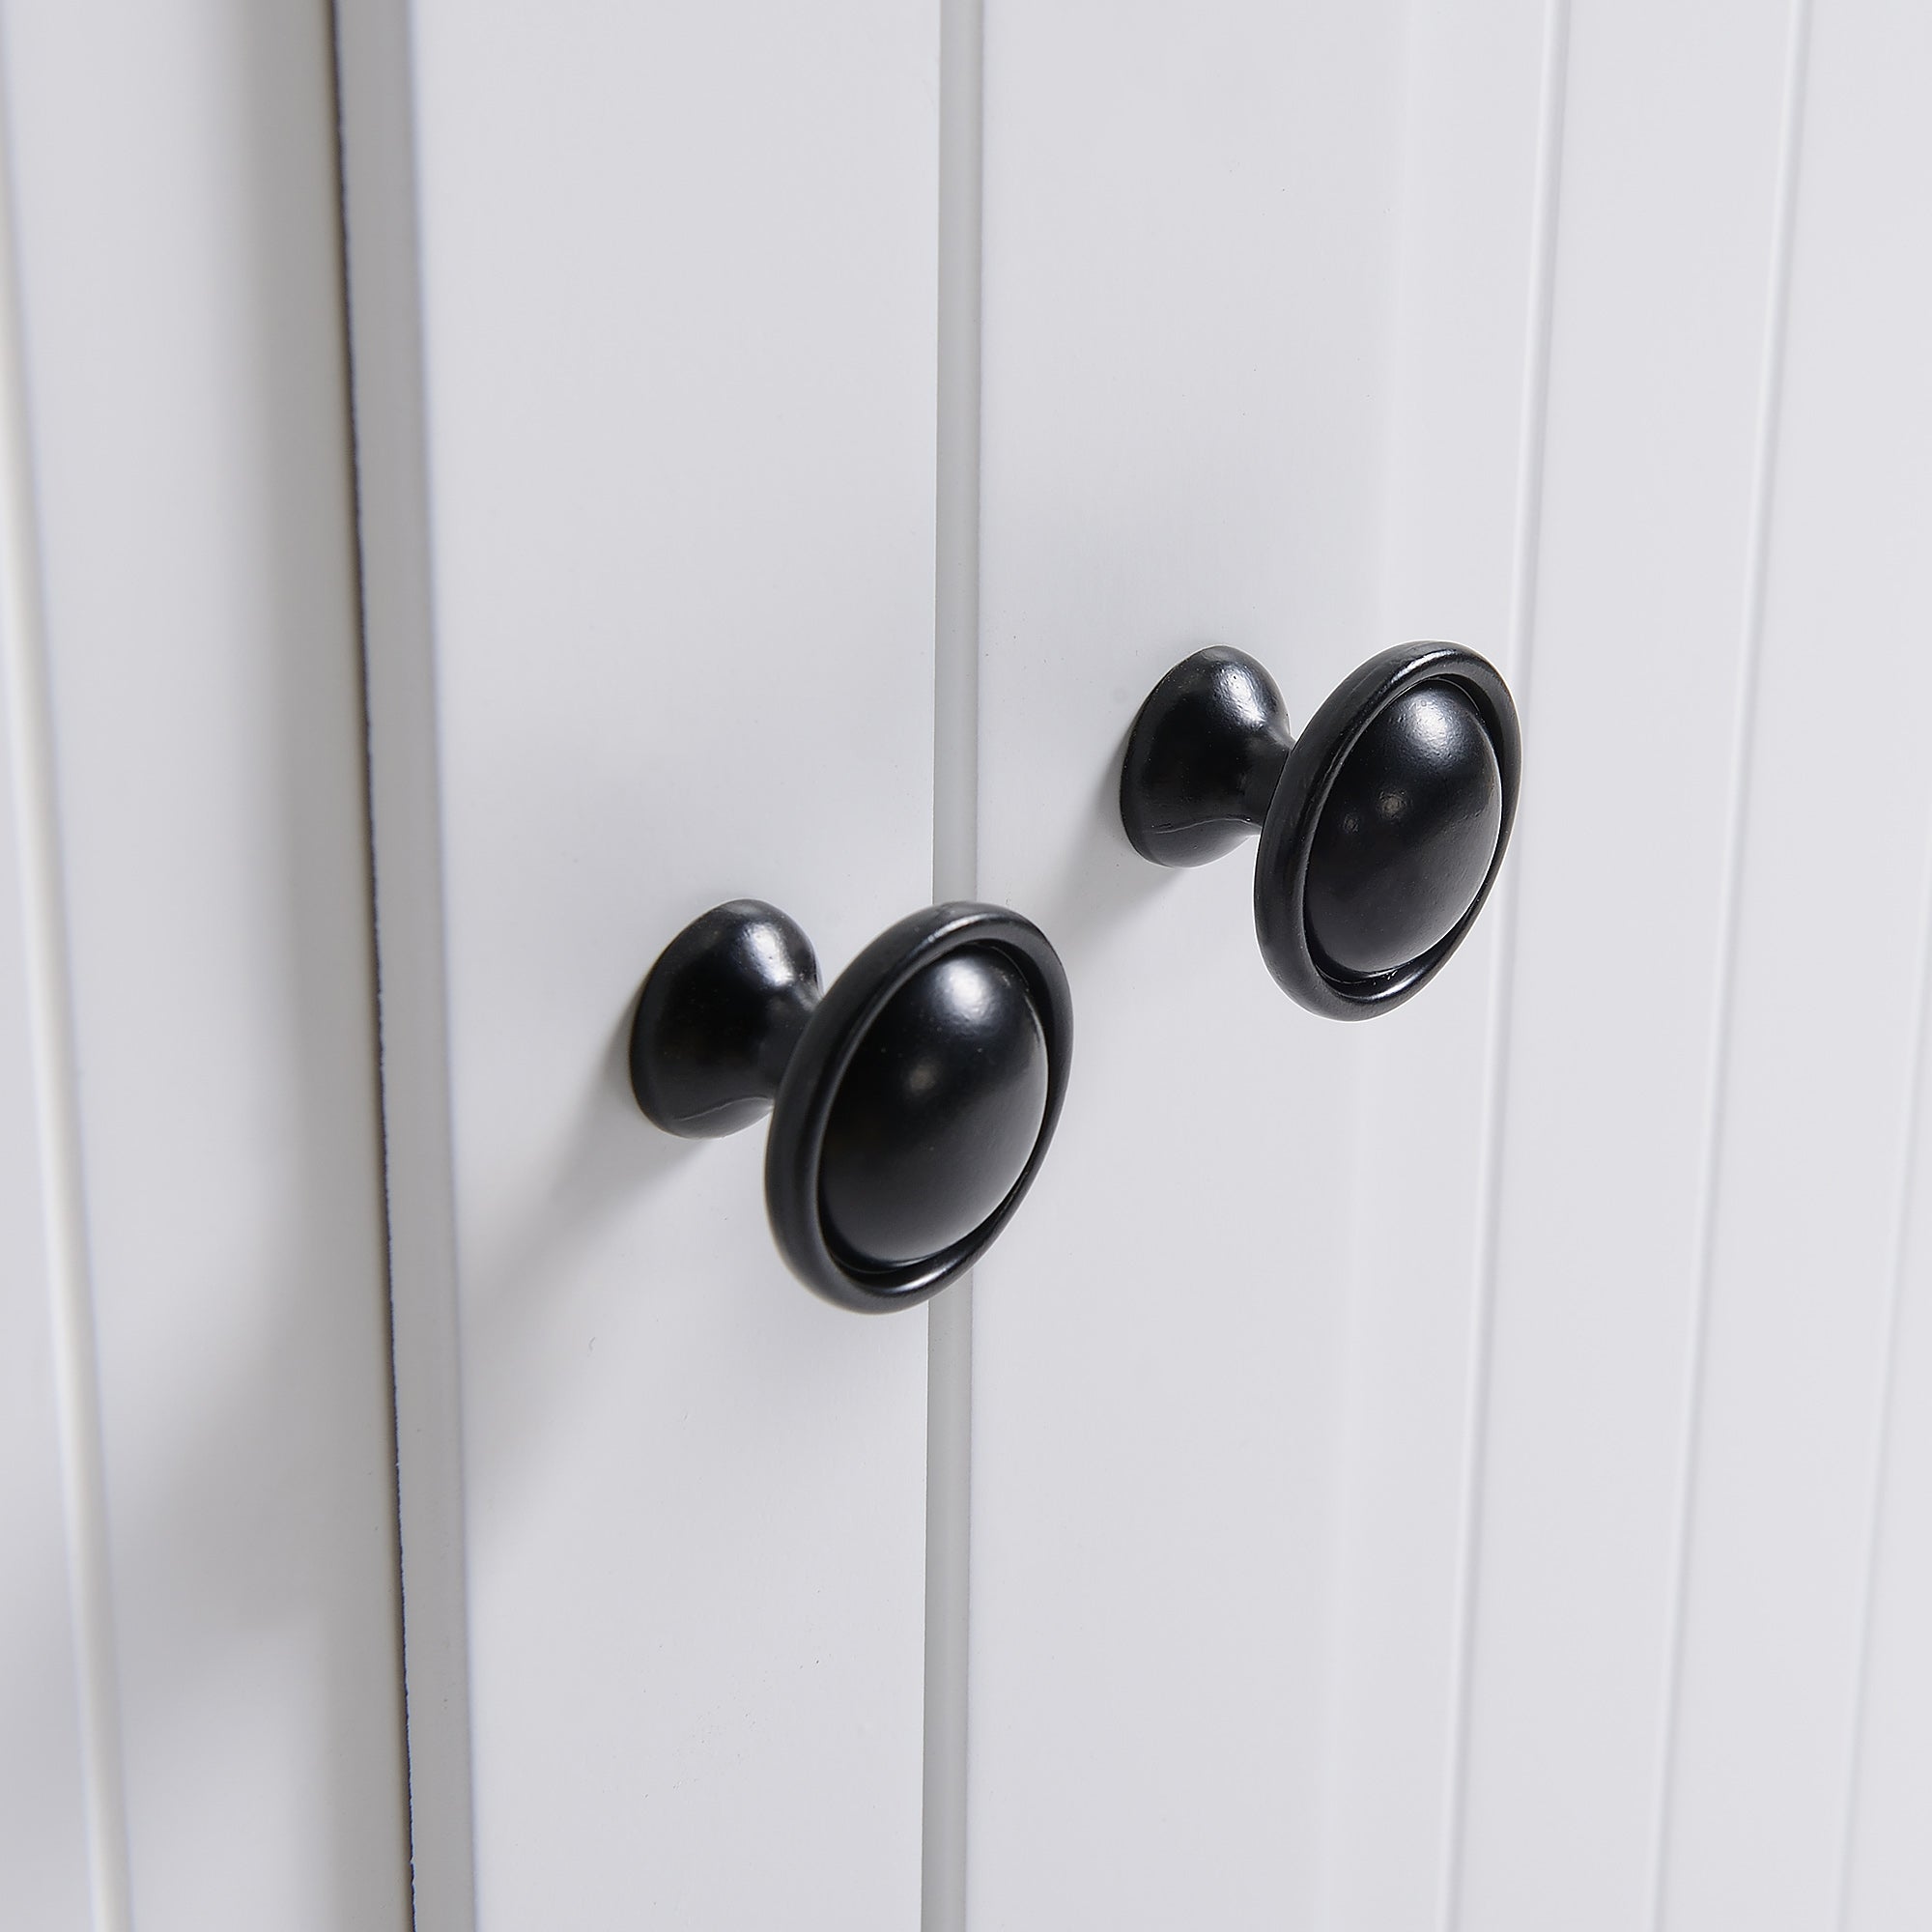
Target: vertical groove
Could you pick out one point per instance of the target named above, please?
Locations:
(375, 81)
(1902, 1229)
(1525, 555)
(1757, 557)
(25, 678)
(381, 1124)
(955, 781)
(956, 746)
(949, 1495)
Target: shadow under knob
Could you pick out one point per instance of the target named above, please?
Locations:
(1383, 826)
(911, 1105)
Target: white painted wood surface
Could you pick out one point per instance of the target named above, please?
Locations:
(1465, 1471)
(1651, 471)
(1468, 1471)
(43, 1792)
(1187, 278)
(1482, 147)
(1834, 864)
(213, 1678)
(1437, 1478)
(44, 1484)
(1888, 1852)
(672, 597)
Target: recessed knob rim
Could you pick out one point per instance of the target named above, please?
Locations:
(1287, 833)
(794, 1152)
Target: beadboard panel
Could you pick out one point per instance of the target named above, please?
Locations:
(1660, 305)
(1482, 150)
(1820, 1070)
(1640, 364)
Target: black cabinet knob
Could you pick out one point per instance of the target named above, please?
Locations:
(911, 1105)
(1382, 825)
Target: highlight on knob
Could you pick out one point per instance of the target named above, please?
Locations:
(911, 1103)
(1383, 826)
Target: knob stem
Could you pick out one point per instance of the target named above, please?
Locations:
(1204, 759)
(719, 1018)
(786, 1014)
(1267, 758)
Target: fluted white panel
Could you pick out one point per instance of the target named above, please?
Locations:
(1826, 1008)
(1662, 288)
(1583, 1470)
(1482, 144)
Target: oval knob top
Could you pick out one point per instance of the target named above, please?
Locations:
(1405, 836)
(937, 1112)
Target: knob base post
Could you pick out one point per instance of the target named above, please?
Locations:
(719, 1018)
(1203, 759)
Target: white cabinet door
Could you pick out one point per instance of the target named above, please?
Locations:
(1459, 1471)
(1455, 1471)
(644, 332)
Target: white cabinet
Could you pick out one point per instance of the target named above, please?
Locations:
(1382, 1502)
(1468, 1470)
